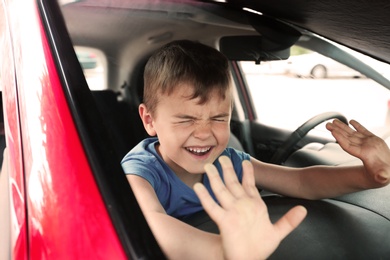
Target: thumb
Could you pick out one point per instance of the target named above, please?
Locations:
(290, 221)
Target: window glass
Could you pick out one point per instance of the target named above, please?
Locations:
(94, 65)
(287, 93)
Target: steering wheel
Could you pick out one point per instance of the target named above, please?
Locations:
(286, 148)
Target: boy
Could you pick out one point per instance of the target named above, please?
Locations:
(187, 104)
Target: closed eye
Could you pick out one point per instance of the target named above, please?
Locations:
(182, 119)
(221, 118)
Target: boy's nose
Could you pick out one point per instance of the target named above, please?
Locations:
(202, 130)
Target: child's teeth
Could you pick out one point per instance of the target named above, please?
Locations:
(199, 150)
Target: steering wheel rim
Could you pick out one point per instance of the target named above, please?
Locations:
(285, 149)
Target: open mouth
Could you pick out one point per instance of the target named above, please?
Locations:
(199, 151)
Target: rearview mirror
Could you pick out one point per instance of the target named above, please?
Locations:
(251, 48)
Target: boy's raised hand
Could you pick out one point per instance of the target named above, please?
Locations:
(361, 143)
(242, 216)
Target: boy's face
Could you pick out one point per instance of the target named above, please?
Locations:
(190, 134)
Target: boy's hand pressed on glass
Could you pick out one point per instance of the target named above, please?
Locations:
(242, 215)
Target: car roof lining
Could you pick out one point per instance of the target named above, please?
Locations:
(205, 18)
(144, 26)
(137, 17)
(369, 19)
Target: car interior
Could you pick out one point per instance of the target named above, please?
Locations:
(354, 226)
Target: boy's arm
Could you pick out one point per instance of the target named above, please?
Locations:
(177, 239)
(318, 182)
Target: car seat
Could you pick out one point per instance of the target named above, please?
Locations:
(121, 119)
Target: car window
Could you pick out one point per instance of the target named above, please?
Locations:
(94, 65)
(286, 93)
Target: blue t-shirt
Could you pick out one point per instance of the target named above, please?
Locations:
(175, 196)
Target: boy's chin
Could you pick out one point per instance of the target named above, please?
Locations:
(197, 171)
(197, 167)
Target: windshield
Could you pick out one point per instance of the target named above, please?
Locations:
(286, 93)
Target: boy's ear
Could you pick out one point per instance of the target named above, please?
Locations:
(147, 119)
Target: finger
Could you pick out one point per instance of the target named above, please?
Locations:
(248, 179)
(345, 135)
(290, 221)
(337, 132)
(360, 128)
(210, 206)
(342, 127)
(333, 124)
(230, 177)
(350, 137)
(355, 134)
(382, 177)
(221, 192)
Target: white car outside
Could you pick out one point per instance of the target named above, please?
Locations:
(315, 65)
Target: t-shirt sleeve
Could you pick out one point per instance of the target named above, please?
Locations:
(140, 165)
